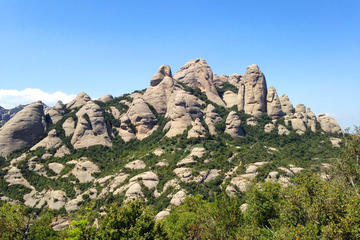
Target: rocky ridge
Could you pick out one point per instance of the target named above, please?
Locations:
(184, 114)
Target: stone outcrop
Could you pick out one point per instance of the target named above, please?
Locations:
(198, 74)
(69, 126)
(80, 100)
(125, 131)
(286, 106)
(83, 170)
(269, 127)
(106, 98)
(230, 98)
(24, 128)
(197, 130)
(253, 91)
(211, 117)
(182, 107)
(91, 128)
(233, 125)
(282, 130)
(142, 118)
(329, 125)
(50, 142)
(56, 112)
(161, 86)
(273, 104)
(137, 164)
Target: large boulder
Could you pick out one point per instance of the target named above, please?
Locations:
(91, 128)
(233, 125)
(329, 125)
(253, 91)
(52, 141)
(198, 74)
(273, 104)
(24, 128)
(161, 86)
(230, 98)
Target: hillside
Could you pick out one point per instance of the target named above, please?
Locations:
(190, 133)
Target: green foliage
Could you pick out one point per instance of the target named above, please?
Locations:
(226, 87)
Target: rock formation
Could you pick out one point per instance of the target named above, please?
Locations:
(329, 125)
(91, 128)
(24, 128)
(56, 112)
(80, 100)
(253, 91)
(273, 104)
(198, 74)
(233, 125)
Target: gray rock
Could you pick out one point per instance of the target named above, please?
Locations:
(300, 108)
(50, 142)
(83, 170)
(56, 112)
(178, 198)
(106, 98)
(91, 128)
(211, 117)
(286, 105)
(251, 121)
(161, 87)
(182, 107)
(329, 125)
(269, 127)
(273, 104)
(56, 167)
(282, 130)
(233, 125)
(69, 126)
(62, 151)
(125, 131)
(142, 118)
(255, 91)
(80, 100)
(137, 164)
(23, 129)
(197, 130)
(231, 98)
(198, 74)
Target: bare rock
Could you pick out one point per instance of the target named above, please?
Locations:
(198, 74)
(178, 198)
(197, 130)
(24, 128)
(211, 117)
(56, 112)
(83, 170)
(335, 142)
(183, 173)
(80, 100)
(125, 131)
(211, 175)
(255, 90)
(149, 179)
(91, 128)
(142, 118)
(251, 121)
(134, 192)
(230, 98)
(158, 152)
(56, 167)
(137, 164)
(269, 127)
(106, 98)
(115, 112)
(50, 142)
(300, 108)
(282, 130)
(182, 107)
(328, 124)
(273, 104)
(161, 86)
(233, 125)
(14, 177)
(69, 126)
(286, 105)
(197, 152)
(62, 151)
(161, 215)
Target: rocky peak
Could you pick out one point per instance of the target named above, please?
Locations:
(253, 92)
(80, 100)
(273, 104)
(164, 71)
(198, 74)
(286, 105)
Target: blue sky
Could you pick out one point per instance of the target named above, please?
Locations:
(309, 50)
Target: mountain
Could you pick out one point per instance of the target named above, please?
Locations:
(187, 133)
(6, 114)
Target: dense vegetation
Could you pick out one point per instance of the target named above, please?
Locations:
(309, 208)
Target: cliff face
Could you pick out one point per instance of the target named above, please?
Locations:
(186, 128)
